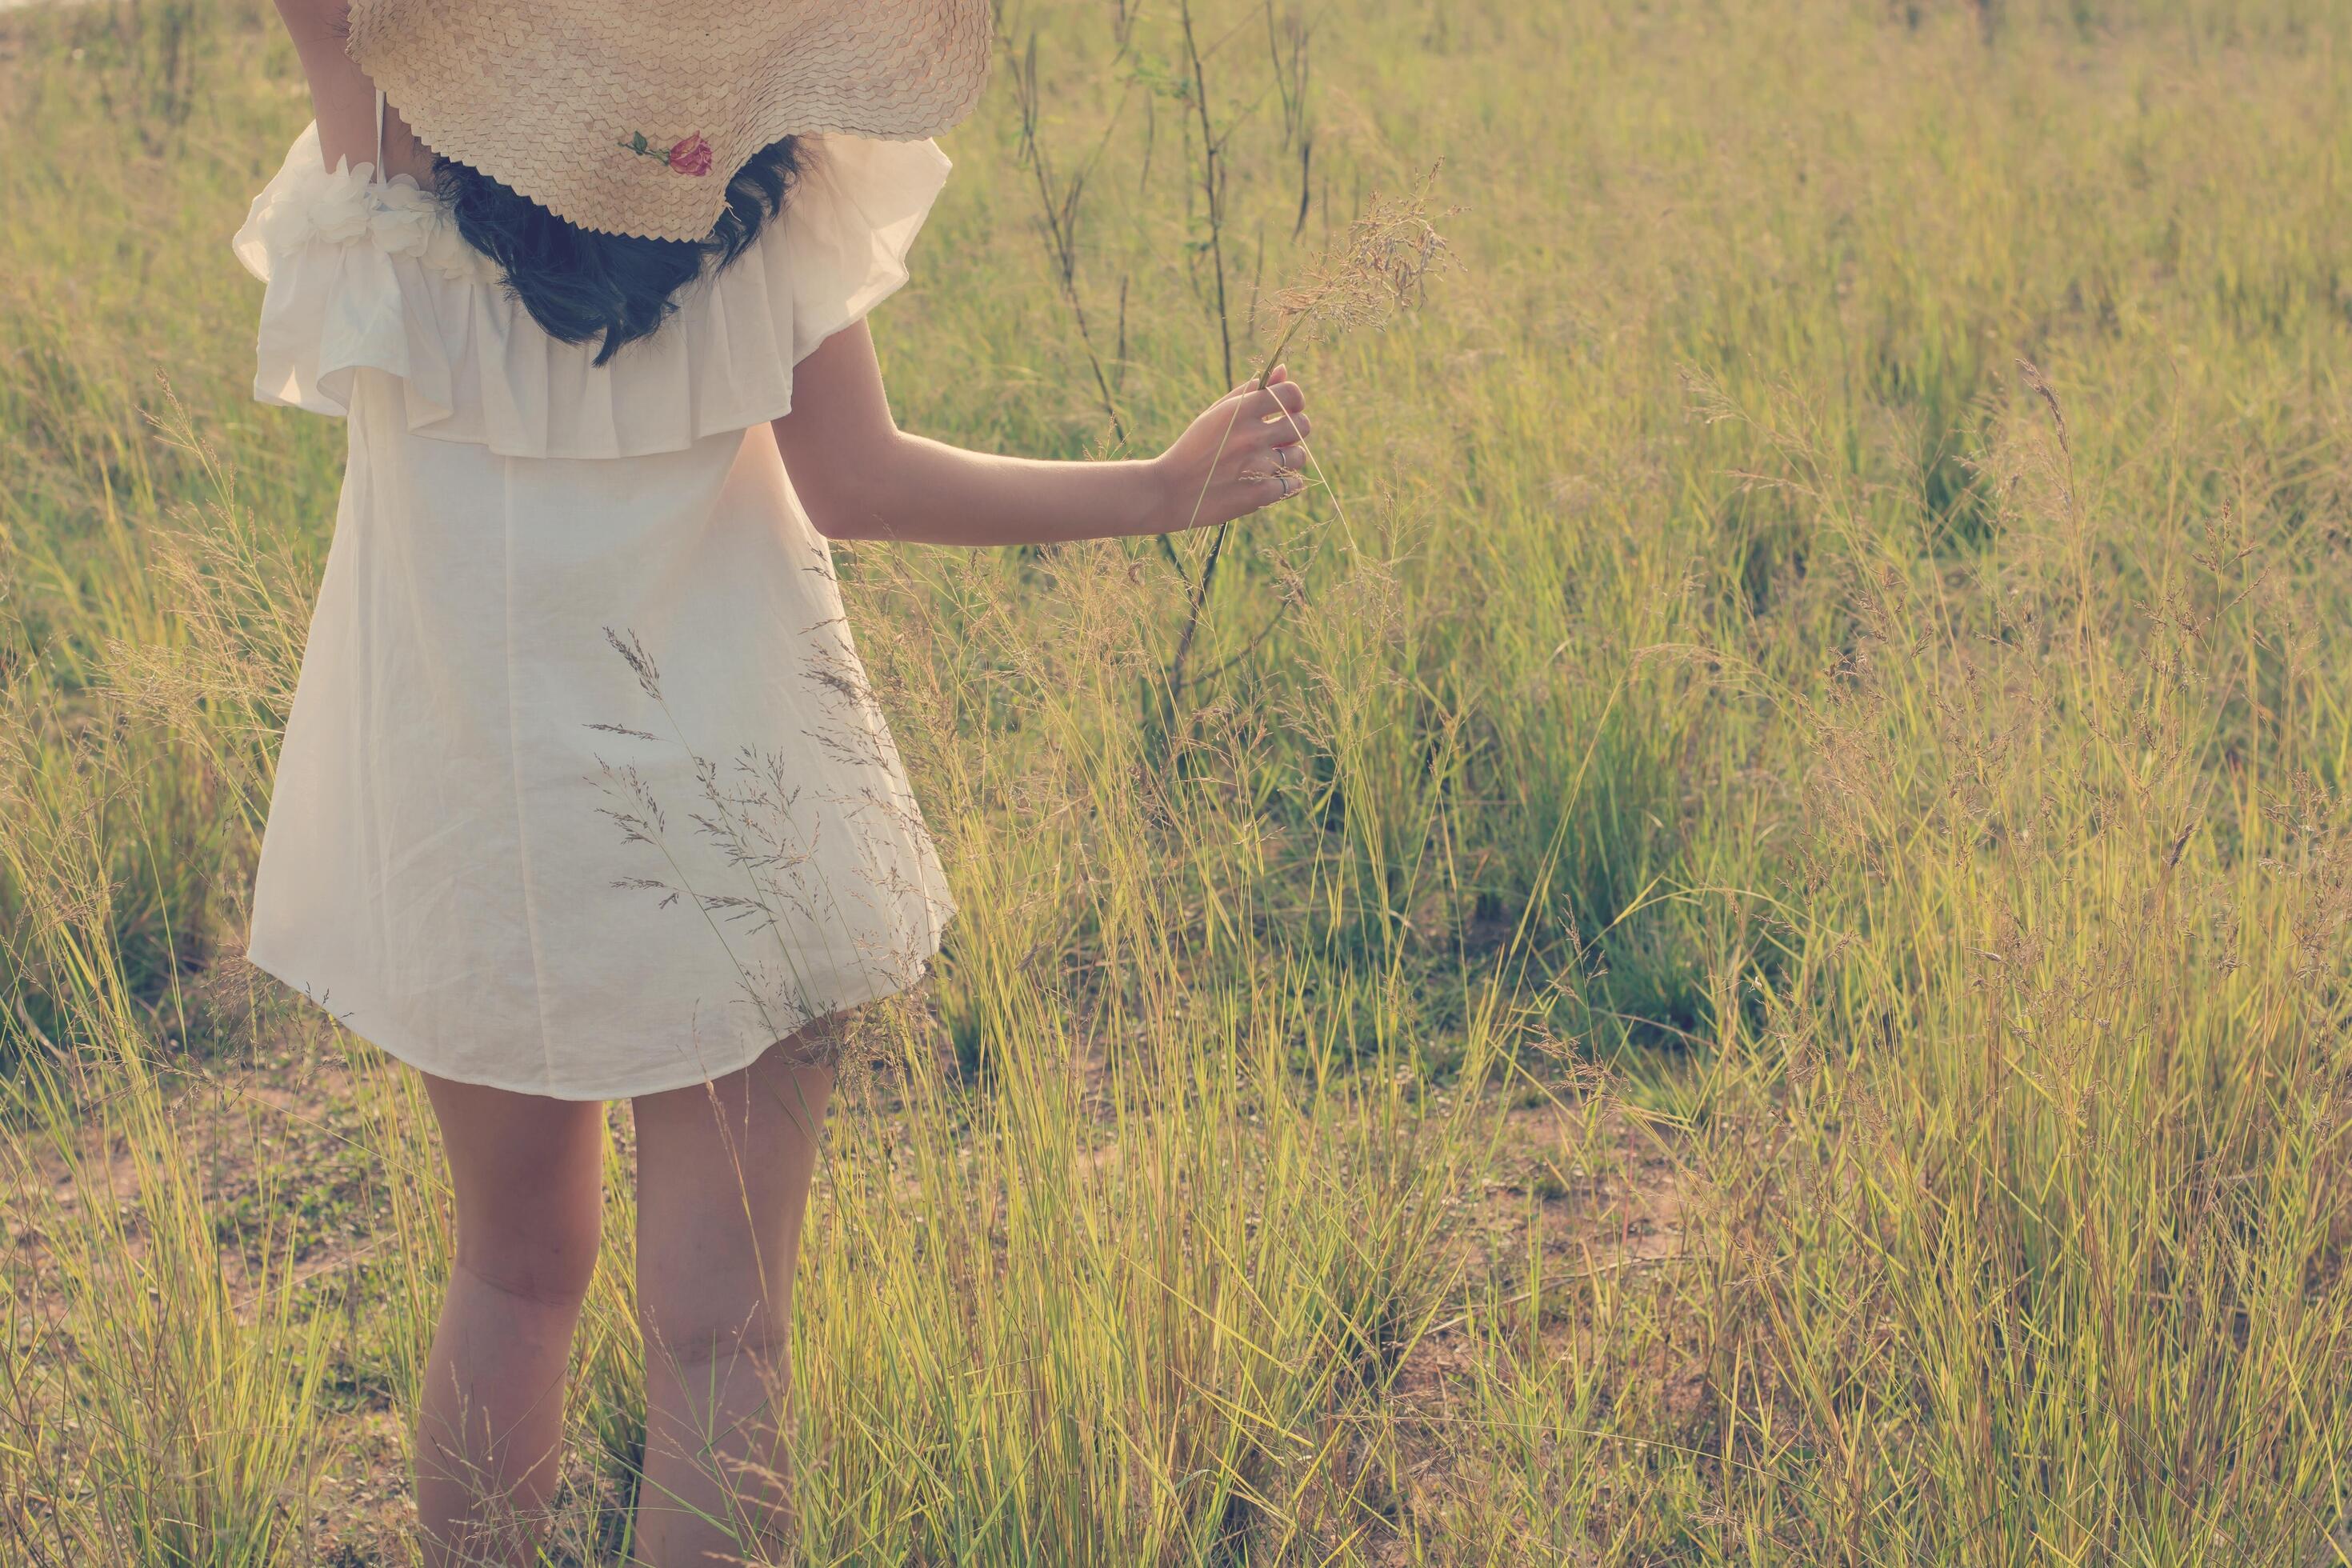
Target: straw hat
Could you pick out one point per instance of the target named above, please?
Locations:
(630, 116)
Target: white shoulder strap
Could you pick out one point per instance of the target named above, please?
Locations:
(379, 135)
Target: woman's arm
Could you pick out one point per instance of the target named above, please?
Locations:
(342, 99)
(860, 476)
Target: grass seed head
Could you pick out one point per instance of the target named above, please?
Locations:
(1380, 271)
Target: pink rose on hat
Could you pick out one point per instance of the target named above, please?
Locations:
(691, 156)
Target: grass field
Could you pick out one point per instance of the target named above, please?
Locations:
(1732, 949)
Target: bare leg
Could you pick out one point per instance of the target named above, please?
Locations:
(527, 1173)
(723, 1173)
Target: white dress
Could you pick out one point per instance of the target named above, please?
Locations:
(583, 792)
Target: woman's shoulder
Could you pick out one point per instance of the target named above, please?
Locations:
(369, 274)
(307, 203)
(849, 224)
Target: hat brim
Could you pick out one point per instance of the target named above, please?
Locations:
(632, 119)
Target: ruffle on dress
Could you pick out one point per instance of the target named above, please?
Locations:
(365, 275)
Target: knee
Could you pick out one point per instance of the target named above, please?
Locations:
(526, 1174)
(546, 1257)
(700, 1329)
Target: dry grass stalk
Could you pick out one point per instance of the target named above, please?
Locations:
(1379, 272)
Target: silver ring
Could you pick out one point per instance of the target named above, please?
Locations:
(1289, 457)
(1291, 483)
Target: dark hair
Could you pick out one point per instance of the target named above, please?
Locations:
(579, 284)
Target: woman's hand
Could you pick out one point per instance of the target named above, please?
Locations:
(1246, 452)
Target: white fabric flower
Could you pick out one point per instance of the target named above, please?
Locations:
(403, 221)
(284, 224)
(339, 210)
(447, 252)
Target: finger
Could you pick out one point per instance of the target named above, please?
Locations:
(1249, 394)
(1289, 429)
(1279, 372)
(1268, 489)
(1277, 400)
(1282, 456)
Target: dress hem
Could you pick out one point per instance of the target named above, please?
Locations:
(882, 986)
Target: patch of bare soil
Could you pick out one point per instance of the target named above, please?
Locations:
(1571, 1211)
(293, 1199)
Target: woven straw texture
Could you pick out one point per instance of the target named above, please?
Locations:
(631, 118)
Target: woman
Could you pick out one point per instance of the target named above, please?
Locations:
(583, 795)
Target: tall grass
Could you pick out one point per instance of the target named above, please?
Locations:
(1731, 952)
